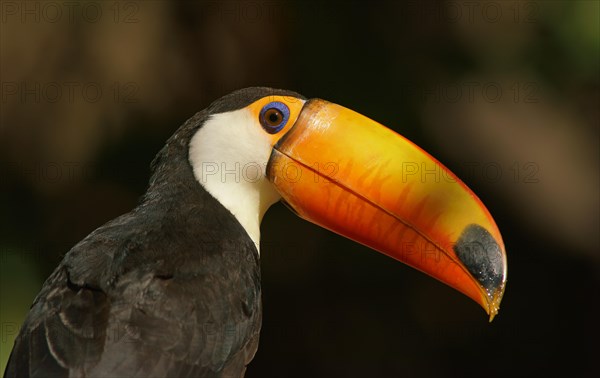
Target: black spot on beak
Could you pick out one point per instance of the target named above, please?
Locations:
(481, 255)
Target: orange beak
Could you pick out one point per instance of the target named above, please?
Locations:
(351, 175)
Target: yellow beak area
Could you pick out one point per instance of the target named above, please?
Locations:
(351, 175)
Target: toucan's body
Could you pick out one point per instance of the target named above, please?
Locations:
(173, 287)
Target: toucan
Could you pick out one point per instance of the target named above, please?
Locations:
(172, 288)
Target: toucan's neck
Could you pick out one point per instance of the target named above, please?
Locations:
(174, 192)
(248, 202)
(229, 158)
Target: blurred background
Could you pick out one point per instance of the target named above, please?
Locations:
(505, 93)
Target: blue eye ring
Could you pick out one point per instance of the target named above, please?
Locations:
(274, 116)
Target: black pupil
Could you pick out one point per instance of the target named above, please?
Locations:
(273, 116)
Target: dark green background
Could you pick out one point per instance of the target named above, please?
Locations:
(429, 70)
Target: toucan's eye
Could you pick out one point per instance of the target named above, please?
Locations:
(274, 116)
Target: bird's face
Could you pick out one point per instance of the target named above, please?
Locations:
(351, 175)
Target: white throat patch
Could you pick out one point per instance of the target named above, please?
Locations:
(229, 155)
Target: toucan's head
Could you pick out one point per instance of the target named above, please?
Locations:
(351, 175)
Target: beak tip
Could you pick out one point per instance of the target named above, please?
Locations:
(485, 260)
(493, 301)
